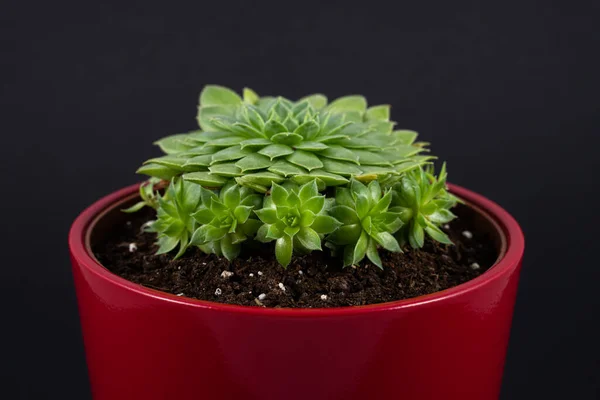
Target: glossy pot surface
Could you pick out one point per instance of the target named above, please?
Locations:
(145, 344)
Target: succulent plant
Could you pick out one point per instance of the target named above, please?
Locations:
(174, 224)
(148, 195)
(259, 141)
(256, 169)
(225, 221)
(424, 205)
(367, 222)
(296, 218)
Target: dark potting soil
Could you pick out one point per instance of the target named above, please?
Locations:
(310, 281)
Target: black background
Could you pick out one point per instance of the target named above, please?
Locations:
(508, 94)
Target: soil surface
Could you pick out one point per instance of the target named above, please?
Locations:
(311, 281)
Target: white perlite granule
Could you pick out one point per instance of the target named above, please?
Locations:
(180, 294)
(226, 274)
(251, 275)
(300, 272)
(262, 296)
(259, 273)
(281, 286)
(218, 292)
(467, 234)
(323, 297)
(475, 266)
(446, 226)
(132, 247)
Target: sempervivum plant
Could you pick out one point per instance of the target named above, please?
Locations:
(175, 224)
(367, 222)
(424, 205)
(259, 141)
(296, 218)
(225, 220)
(303, 174)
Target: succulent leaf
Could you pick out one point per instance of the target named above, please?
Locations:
(250, 96)
(213, 95)
(148, 195)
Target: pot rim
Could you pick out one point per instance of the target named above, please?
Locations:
(513, 244)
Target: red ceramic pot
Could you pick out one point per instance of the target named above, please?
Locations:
(145, 344)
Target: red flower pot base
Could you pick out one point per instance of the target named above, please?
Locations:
(145, 344)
